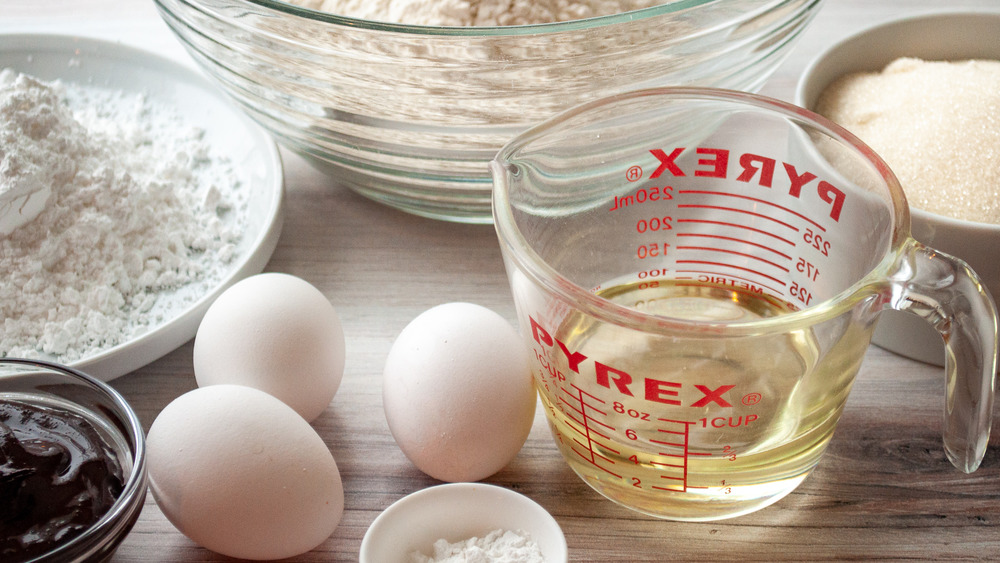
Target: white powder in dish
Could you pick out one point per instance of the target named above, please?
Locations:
(937, 126)
(498, 546)
(108, 203)
(463, 13)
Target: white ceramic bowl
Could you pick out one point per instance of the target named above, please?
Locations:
(455, 512)
(106, 65)
(934, 36)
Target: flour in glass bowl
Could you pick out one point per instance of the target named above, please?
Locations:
(464, 13)
(109, 203)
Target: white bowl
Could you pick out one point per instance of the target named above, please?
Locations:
(105, 65)
(455, 512)
(934, 36)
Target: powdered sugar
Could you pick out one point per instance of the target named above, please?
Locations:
(498, 546)
(475, 12)
(139, 208)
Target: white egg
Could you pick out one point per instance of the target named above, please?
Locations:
(458, 392)
(242, 474)
(277, 333)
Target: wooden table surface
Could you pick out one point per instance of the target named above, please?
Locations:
(884, 489)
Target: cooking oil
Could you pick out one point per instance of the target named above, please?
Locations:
(701, 425)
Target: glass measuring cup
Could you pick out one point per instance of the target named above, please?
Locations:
(698, 274)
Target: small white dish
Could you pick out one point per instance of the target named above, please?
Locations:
(104, 64)
(456, 512)
(934, 36)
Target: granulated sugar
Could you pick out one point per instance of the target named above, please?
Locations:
(463, 13)
(498, 546)
(937, 125)
(108, 202)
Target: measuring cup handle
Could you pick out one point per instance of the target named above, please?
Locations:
(949, 295)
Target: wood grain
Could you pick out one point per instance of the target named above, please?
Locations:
(884, 490)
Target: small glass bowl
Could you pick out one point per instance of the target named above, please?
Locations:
(410, 115)
(59, 387)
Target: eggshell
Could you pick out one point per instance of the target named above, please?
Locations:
(242, 474)
(458, 393)
(277, 333)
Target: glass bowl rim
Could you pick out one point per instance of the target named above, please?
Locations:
(133, 494)
(669, 7)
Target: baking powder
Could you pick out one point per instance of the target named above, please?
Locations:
(498, 546)
(109, 205)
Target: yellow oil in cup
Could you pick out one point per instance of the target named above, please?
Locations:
(698, 274)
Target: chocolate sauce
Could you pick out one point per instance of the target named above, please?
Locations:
(58, 476)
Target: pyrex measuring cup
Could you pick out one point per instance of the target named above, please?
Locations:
(698, 274)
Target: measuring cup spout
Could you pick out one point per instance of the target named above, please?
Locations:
(949, 295)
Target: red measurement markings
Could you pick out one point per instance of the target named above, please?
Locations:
(735, 253)
(739, 226)
(725, 265)
(715, 275)
(760, 201)
(676, 438)
(738, 240)
(691, 454)
(743, 211)
(579, 401)
(732, 288)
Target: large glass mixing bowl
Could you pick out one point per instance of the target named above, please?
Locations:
(411, 115)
